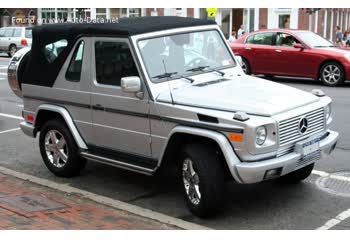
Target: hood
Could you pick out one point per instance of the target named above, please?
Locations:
(335, 50)
(242, 93)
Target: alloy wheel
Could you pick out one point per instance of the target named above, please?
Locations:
(56, 148)
(331, 74)
(191, 181)
(244, 67)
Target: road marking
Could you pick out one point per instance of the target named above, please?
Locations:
(10, 130)
(325, 174)
(11, 116)
(143, 212)
(334, 221)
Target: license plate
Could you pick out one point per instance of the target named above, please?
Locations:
(311, 147)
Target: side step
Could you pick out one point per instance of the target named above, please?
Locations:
(126, 161)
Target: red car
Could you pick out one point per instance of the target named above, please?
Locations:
(294, 53)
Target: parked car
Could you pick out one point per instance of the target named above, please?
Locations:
(149, 93)
(294, 53)
(14, 38)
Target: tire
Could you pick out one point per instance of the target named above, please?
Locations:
(67, 163)
(208, 176)
(246, 66)
(12, 50)
(298, 175)
(332, 74)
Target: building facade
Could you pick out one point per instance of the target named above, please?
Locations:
(322, 21)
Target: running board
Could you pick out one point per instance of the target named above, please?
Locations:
(118, 163)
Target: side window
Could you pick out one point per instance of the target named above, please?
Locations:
(285, 40)
(260, 39)
(53, 50)
(2, 32)
(74, 70)
(8, 32)
(113, 60)
(17, 32)
(28, 33)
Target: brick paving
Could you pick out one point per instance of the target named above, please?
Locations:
(25, 205)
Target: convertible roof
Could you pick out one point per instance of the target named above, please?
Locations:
(38, 71)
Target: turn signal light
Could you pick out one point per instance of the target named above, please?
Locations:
(236, 137)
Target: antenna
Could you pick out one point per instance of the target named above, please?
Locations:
(171, 93)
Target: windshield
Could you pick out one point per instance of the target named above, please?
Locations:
(314, 40)
(174, 56)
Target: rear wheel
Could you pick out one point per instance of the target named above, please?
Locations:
(246, 66)
(202, 178)
(298, 175)
(332, 74)
(12, 50)
(59, 150)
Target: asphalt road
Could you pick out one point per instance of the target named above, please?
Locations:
(260, 206)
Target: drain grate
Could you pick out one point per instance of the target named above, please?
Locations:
(31, 203)
(337, 183)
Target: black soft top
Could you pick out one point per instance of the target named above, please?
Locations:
(39, 72)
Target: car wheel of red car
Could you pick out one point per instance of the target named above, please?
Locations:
(332, 74)
(245, 66)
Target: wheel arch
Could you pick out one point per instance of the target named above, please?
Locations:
(181, 135)
(46, 112)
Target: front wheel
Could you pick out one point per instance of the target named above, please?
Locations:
(59, 150)
(246, 66)
(12, 50)
(332, 74)
(298, 175)
(202, 178)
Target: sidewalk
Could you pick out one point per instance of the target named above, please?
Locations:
(26, 205)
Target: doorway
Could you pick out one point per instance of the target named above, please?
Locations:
(237, 18)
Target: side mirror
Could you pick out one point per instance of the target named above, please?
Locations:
(131, 84)
(298, 46)
(239, 60)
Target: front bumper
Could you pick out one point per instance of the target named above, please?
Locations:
(254, 172)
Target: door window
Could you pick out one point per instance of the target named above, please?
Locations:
(74, 70)
(260, 39)
(8, 32)
(285, 40)
(113, 61)
(17, 32)
(2, 32)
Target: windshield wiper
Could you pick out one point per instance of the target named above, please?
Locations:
(201, 68)
(165, 75)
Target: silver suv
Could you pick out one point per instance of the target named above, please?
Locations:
(155, 92)
(14, 38)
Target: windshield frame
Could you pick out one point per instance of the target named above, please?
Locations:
(179, 31)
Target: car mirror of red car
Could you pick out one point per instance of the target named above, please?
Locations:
(298, 46)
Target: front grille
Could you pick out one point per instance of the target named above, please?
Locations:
(289, 128)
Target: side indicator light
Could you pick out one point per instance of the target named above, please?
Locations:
(236, 137)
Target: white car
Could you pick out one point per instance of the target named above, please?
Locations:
(14, 38)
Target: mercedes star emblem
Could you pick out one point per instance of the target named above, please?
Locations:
(303, 124)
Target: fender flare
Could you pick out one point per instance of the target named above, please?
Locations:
(67, 118)
(230, 156)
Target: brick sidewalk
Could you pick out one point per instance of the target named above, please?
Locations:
(26, 205)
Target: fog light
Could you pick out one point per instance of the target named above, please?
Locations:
(273, 173)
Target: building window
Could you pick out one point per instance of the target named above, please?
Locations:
(101, 13)
(118, 13)
(284, 21)
(134, 12)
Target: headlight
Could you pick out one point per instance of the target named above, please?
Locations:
(347, 56)
(328, 111)
(260, 135)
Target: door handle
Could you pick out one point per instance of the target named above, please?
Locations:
(277, 50)
(98, 107)
(248, 48)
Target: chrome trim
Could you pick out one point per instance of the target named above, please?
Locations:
(116, 163)
(28, 129)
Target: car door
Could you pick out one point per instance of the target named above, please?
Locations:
(8, 35)
(257, 50)
(120, 119)
(290, 61)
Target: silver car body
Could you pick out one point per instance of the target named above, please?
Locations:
(14, 36)
(141, 125)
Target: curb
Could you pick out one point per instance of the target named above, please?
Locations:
(107, 201)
